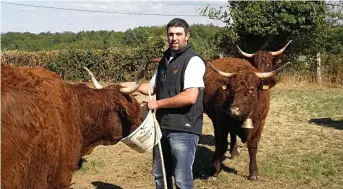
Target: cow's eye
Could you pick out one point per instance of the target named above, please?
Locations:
(251, 90)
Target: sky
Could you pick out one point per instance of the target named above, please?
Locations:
(17, 18)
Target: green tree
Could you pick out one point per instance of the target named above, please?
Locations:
(270, 24)
(135, 37)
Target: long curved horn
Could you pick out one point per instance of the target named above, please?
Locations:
(129, 90)
(141, 78)
(95, 82)
(265, 75)
(244, 53)
(225, 74)
(281, 50)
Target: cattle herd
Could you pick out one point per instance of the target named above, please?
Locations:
(48, 124)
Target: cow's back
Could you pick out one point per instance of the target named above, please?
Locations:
(33, 136)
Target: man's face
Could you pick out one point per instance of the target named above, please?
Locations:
(177, 38)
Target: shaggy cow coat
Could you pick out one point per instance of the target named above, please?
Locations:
(48, 125)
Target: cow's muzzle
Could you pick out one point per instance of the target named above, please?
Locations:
(236, 112)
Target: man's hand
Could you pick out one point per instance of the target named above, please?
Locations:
(152, 104)
(143, 89)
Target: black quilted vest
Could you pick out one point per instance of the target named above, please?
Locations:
(169, 82)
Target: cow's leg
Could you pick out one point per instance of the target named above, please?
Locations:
(65, 181)
(233, 145)
(65, 177)
(220, 149)
(253, 141)
(253, 170)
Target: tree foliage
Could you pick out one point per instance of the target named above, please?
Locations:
(204, 39)
(112, 56)
(314, 26)
(268, 25)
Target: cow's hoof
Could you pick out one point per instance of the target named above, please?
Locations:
(203, 175)
(234, 155)
(211, 178)
(253, 178)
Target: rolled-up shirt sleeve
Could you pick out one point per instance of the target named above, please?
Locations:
(194, 73)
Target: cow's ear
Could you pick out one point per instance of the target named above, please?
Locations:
(128, 113)
(126, 109)
(253, 63)
(268, 83)
(279, 61)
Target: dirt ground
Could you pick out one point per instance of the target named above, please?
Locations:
(295, 150)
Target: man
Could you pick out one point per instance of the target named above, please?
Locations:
(179, 87)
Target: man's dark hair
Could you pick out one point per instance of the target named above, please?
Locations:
(178, 22)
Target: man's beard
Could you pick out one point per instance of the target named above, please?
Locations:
(180, 47)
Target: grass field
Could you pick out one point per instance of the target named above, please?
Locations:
(301, 147)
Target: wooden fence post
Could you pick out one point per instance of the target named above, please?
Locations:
(319, 74)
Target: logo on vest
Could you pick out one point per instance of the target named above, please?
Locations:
(176, 68)
(187, 125)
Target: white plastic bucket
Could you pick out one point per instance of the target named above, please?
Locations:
(144, 138)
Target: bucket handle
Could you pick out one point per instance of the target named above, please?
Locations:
(159, 142)
(150, 97)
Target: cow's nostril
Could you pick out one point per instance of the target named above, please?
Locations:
(235, 110)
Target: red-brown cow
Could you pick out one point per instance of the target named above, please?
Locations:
(233, 101)
(264, 60)
(48, 125)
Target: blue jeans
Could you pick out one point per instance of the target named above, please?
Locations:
(179, 153)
